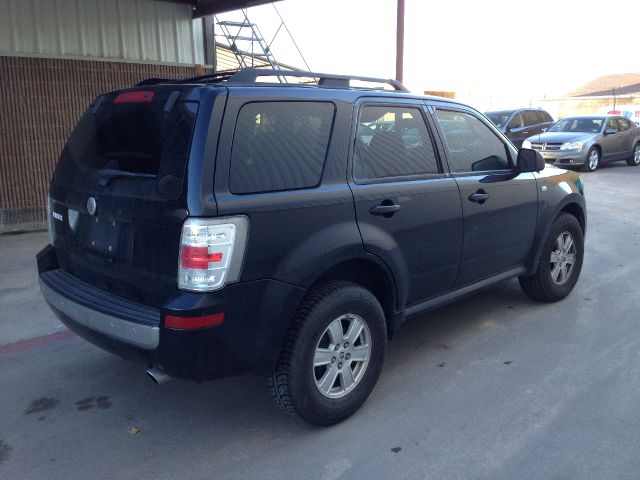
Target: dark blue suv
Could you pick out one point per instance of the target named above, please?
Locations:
(220, 226)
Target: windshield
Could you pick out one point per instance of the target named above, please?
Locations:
(499, 119)
(586, 125)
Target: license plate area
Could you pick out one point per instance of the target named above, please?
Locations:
(101, 236)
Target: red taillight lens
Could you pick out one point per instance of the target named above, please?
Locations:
(141, 96)
(189, 323)
(197, 258)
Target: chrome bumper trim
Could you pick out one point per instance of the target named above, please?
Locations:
(142, 336)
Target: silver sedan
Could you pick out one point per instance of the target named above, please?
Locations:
(588, 141)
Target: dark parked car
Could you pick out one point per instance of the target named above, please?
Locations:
(519, 124)
(221, 226)
(589, 141)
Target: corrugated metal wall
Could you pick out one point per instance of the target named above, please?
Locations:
(132, 30)
(41, 99)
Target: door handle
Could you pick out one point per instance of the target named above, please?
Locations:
(479, 197)
(386, 208)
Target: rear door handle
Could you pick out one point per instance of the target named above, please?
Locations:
(479, 197)
(385, 208)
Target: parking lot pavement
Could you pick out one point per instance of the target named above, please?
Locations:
(23, 313)
(494, 386)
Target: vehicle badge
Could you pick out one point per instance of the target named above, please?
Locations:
(91, 206)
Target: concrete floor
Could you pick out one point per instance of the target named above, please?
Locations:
(495, 386)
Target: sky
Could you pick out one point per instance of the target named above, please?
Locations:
(492, 53)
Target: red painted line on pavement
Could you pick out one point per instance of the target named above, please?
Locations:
(34, 342)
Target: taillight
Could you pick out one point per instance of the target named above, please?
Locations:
(211, 251)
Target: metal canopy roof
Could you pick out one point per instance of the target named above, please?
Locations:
(209, 7)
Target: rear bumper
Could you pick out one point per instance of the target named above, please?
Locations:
(67, 303)
(257, 316)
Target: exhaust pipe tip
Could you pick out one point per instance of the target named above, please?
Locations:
(158, 376)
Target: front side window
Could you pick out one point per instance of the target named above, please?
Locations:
(280, 146)
(472, 145)
(611, 123)
(391, 142)
(516, 121)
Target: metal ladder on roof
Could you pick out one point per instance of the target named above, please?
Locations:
(249, 46)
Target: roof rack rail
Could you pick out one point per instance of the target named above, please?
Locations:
(250, 75)
(209, 77)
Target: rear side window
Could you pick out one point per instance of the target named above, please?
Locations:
(392, 142)
(624, 124)
(280, 146)
(472, 145)
(130, 149)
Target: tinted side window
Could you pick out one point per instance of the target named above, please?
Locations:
(546, 117)
(516, 121)
(611, 123)
(531, 117)
(391, 142)
(472, 145)
(280, 146)
(624, 124)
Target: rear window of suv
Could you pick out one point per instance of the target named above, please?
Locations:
(280, 146)
(134, 149)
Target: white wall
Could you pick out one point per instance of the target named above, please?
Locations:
(132, 30)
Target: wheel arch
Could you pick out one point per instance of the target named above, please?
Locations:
(572, 204)
(372, 274)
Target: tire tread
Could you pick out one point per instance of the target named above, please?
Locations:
(278, 381)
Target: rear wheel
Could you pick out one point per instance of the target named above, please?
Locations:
(592, 161)
(332, 356)
(560, 264)
(634, 160)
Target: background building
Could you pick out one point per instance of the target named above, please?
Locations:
(618, 93)
(57, 56)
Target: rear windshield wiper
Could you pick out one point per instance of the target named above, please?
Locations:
(106, 175)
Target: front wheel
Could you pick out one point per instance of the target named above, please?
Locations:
(560, 264)
(332, 356)
(634, 160)
(592, 161)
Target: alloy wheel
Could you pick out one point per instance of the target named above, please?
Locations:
(341, 356)
(594, 157)
(563, 258)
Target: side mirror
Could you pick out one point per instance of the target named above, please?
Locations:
(529, 161)
(610, 131)
(544, 129)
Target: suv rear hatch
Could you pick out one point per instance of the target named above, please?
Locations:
(117, 192)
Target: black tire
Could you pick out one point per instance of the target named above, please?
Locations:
(292, 384)
(540, 285)
(590, 166)
(634, 159)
